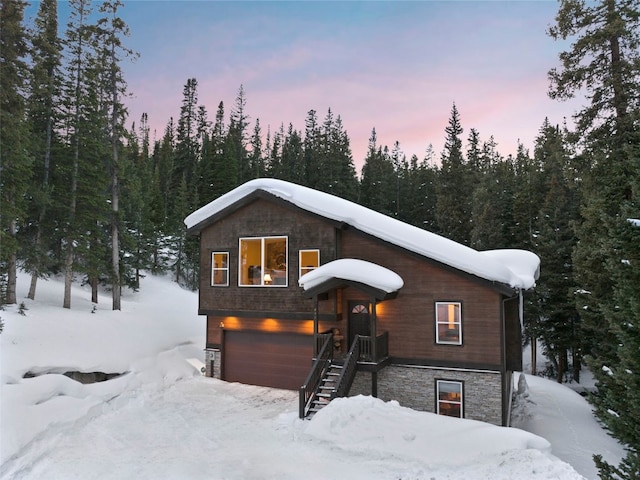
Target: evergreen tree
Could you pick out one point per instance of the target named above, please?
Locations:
(238, 125)
(256, 158)
(291, 165)
(15, 161)
(183, 201)
(312, 151)
(559, 325)
(46, 54)
(453, 205)
(377, 186)
(603, 63)
(338, 163)
(111, 29)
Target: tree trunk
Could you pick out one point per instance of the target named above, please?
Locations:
(12, 268)
(68, 274)
(93, 281)
(43, 210)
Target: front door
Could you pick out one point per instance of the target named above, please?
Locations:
(358, 320)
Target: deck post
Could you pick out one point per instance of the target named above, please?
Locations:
(315, 326)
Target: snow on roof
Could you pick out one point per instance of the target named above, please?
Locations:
(516, 268)
(356, 271)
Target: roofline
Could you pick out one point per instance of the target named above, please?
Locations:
(260, 193)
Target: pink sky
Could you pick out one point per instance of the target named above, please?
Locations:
(396, 66)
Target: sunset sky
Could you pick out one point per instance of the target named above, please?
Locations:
(397, 66)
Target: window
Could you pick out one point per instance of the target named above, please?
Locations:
(309, 260)
(219, 269)
(449, 395)
(448, 323)
(263, 262)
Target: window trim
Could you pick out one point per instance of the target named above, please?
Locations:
(438, 401)
(222, 269)
(300, 266)
(440, 341)
(263, 261)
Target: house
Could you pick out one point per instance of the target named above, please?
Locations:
(307, 291)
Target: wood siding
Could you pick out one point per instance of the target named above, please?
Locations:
(259, 219)
(410, 317)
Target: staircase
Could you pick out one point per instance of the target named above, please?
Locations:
(328, 379)
(326, 389)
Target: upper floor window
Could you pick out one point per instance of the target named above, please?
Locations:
(448, 323)
(449, 395)
(263, 261)
(309, 260)
(219, 269)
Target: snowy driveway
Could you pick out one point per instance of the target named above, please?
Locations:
(207, 429)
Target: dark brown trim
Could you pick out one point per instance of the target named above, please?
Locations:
(419, 362)
(215, 346)
(264, 314)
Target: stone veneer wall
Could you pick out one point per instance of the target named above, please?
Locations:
(415, 387)
(212, 362)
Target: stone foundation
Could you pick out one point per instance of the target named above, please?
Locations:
(415, 387)
(212, 362)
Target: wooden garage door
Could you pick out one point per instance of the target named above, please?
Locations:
(280, 360)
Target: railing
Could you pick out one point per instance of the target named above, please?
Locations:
(320, 340)
(367, 348)
(320, 365)
(343, 385)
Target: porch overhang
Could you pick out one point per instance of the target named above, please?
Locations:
(377, 281)
(335, 283)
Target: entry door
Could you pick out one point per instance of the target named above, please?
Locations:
(358, 319)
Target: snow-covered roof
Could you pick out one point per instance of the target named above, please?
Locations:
(516, 268)
(356, 271)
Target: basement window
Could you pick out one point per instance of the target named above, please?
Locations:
(263, 262)
(448, 323)
(449, 395)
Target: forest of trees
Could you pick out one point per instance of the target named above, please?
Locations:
(86, 195)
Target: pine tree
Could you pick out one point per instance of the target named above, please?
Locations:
(256, 159)
(15, 161)
(291, 166)
(312, 151)
(453, 206)
(46, 54)
(74, 92)
(559, 325)
(238, 125)
(111, 30)
(603, 63)
(377, 188)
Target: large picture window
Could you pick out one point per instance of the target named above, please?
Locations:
(449, 395)
(219, 269)
(309, 260)
(448, 323)
(263, 262)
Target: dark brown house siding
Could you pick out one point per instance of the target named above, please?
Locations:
(410, 317)
(257, 219)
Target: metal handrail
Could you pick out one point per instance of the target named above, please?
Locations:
(320, 365)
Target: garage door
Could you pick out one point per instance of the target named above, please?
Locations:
(280, 360)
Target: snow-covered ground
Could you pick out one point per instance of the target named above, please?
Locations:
(162, 420)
